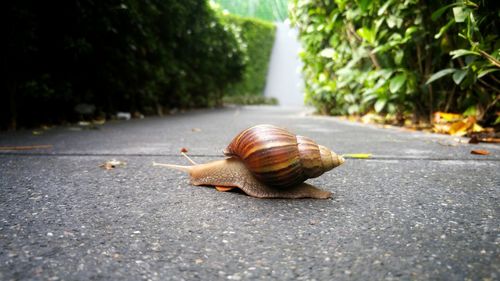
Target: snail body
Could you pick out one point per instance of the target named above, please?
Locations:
(266, 161)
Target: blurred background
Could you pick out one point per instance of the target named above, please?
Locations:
(426, 65)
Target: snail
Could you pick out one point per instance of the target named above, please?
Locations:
(266, 161)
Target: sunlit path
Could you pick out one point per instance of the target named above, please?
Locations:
(284, 80)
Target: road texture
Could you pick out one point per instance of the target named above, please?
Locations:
(423, 208)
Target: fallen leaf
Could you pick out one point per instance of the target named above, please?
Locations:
(461, 127)
(196, 130)
(358, 155)
(443, 117)
(370, 118)
(480, 152)
(25, 147)
(111, 164)
(490, 140)
(476, 128)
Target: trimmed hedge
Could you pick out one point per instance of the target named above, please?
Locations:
(257, 38)
(128, 55)
(402, 58)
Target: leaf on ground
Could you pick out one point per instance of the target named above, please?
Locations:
(358, 155)
(440, 117)
(458, 128)
(111, 164)
(26, 147)
(196, 130)
(371, 118)
(480, 152)
(490, 140)
(455, 124)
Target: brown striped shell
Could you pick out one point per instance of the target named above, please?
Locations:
(279, 158)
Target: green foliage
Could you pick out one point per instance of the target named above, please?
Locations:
(400, 57)
(249, 100)
(257, 39)
(270, 10)
(127, 55)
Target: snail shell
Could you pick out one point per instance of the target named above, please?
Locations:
(280, 158)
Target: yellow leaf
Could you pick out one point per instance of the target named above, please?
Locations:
(458, 128)
(441, 128)
(477, 128)
(358, 155)
(439, 117)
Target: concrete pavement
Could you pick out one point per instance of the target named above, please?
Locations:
(423, 208)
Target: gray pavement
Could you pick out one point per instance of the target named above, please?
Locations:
(423, 208)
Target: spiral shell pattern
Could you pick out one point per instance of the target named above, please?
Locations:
(279, 158)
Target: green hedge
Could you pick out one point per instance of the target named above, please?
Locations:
(257, 38)
(401, 57)
(128, 55)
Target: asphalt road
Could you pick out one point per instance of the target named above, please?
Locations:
(423, 208)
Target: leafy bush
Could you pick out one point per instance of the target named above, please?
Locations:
(250, 100)
(257, 39)
(127, 55)
(385, 56)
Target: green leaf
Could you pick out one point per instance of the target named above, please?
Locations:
(443, 29)
(367, 34)
(357, 155)
(410, 31)
(391, 21)
(462, 52)
(364, 4)
(379, 105)
(353, 109)
(440, 74)
(441, 11)
(381, 48)
(327, 53)
(459, 75)
(484, 72)
(384, 7)
(397, 82)
(398, 57)
(497, 121)
(460, 14)
(470, 111)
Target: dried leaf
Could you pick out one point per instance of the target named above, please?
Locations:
(490, 140)
(111, 164)
(358, 155)
(458, 128)
(25, 147)
(443, 117)
(441, 128)
(480, 152)
(196, 130)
